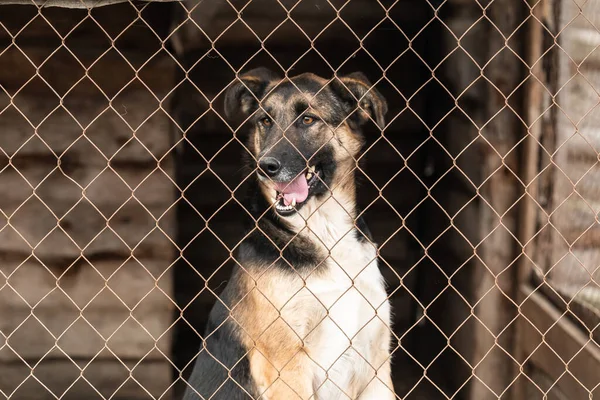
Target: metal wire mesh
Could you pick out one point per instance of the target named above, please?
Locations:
(122, 205)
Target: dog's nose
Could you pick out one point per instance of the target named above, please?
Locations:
(270, 166)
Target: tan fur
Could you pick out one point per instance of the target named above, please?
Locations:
(274, 331)
(293, 340)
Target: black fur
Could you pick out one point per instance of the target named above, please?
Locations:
(361, 99)
(212, 379)
(245, 93)
(274, 242)
(363, 234)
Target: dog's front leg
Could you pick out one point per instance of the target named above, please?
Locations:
(292, 381)
(381, 386)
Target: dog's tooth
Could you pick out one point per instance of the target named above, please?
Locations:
(311, 170)
(294, 202)
(309, 175)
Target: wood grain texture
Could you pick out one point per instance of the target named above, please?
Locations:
(494, 279)
(85, 224)
(558, 347)
(100, 379)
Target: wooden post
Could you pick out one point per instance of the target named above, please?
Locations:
(495, 280)
(538, 119)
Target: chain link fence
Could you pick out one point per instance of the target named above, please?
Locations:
(122, 208)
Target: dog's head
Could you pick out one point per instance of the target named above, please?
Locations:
(306, 131)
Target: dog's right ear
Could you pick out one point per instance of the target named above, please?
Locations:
(358, 92)
(243, 96)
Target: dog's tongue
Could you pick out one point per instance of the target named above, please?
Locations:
(296, 189)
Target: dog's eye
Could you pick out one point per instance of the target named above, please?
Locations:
(308, 120)
(266, 121)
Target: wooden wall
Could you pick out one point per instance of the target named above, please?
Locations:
(573, 263)
(85, 208)
(562, 281)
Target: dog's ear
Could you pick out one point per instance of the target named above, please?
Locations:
(356, 90)
(243, 96)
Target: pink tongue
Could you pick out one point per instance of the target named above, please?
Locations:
(296, 189)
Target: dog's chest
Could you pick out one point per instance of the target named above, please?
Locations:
(342, 315)
(337, 312)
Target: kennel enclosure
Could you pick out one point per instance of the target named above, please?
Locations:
(121, 183)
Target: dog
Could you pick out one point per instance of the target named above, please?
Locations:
(305, 314)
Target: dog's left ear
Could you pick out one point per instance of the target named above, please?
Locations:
(244, 94)
(356, 90)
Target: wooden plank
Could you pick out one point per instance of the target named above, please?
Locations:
(502, 129)
(104, 379)
(34, 229)
(90, 129)
(78, 338)
(542, 391)
(536, 101)
(565, 338)
(147, 184)
(109, 71)
(123, 306)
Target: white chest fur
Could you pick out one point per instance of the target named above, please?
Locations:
(341, 310)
